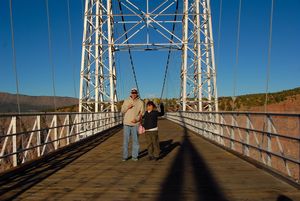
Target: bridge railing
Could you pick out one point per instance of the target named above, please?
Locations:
(272, 139)
(24, 137)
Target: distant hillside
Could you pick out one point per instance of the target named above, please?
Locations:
(8, 103)
(283, 101)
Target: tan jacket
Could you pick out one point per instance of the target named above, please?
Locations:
(134, 112)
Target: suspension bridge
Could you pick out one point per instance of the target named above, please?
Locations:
(206, 154)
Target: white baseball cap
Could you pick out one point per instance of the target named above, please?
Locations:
(134, 90)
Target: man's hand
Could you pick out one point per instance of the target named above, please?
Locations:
(130, 106)
(134, 121)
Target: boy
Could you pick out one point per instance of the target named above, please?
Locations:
(151, 129)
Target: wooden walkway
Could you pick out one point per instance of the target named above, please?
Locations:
(191, 169)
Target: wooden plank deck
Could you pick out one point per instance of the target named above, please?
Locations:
(191, 169)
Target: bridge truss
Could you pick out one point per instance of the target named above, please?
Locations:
(141, 25)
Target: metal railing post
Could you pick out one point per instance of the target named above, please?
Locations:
(222, 128)
(78, 126)
(68, 129)
(38, 137)
(96, 122)
(55, 131)
(269, 141)
(101, 121)
(198, 123)
(14, 141)
(232, 135)
(202, 124)
(246, 147)
(92, 124)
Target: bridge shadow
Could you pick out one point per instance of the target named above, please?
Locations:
(166, 147)
(17, 181)
(283, 198)
(206, 186)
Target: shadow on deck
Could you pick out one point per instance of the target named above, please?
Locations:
(207, 187)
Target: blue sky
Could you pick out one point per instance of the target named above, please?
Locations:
(34, 69)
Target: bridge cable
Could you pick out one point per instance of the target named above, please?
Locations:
(50, 54)
(169, 53)
(71, 46)
(219, 31)
(83, 8)
(129, 50)
(14, 54)
(269, 56)
(118, 91)
(117, 59)
(237, 55)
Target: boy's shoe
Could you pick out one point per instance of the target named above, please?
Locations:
(150, 158)
(135, 159)
(124, 159)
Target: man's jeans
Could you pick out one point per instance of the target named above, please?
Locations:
(133, 130)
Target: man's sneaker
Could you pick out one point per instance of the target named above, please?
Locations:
(124, 159)
(135, 159)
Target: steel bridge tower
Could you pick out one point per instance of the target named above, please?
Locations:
(147, 25)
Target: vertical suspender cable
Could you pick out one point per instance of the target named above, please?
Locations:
(82, 8)
(14, 54)
(169, 53)
(50, 54)
(71, 46)
(219, 35)
(237, 54)
(265, 127)
(116, 59)
(129, 50)
(219, 31)
(269, 56)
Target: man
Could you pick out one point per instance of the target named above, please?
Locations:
(132, 109)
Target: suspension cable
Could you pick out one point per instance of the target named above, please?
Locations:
(71, 46)
(50, 54)
(129, 50)
(237, 54)
(169, 53)
(83, 8)
(269, 56)
(117, 58)
(14, 54)
(219, 31)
